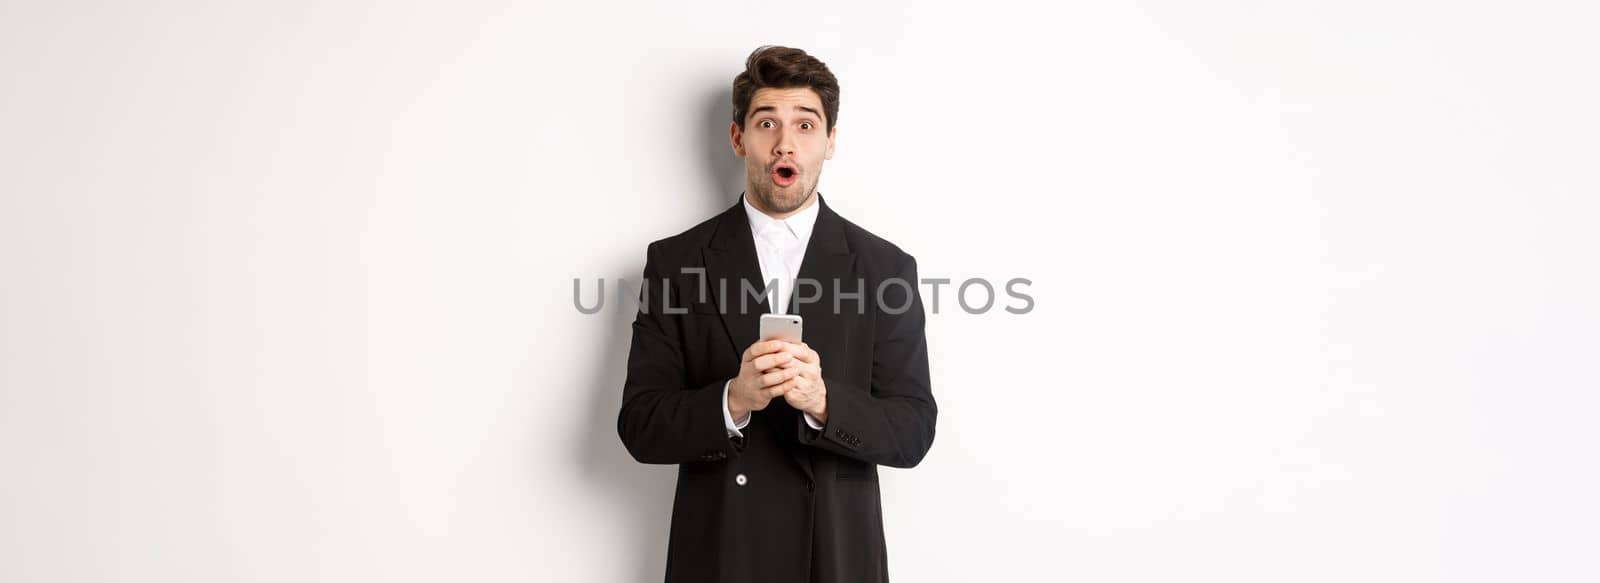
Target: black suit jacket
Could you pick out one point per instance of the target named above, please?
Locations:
(807, 507)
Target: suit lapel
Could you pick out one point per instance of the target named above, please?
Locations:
(831, 266)
(731, 264)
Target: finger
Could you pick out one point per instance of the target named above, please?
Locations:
(751, 352)
(792, 363)
(806, 369)
(770, 361)
(777, 376)
(763, 347)
(777, 391)
(802, 351)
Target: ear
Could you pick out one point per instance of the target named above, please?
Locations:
(831, 133)
(736, 138)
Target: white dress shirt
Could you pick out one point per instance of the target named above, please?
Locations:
(780, 247)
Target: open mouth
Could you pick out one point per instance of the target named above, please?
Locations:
(784, 175)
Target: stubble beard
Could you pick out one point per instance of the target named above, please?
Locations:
(767, 194)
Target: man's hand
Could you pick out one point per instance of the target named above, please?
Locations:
(804, 390)
(762, 377)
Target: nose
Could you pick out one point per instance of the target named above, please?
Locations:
(784, 147)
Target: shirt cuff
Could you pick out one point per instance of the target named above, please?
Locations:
(727, 418)
(812, 421)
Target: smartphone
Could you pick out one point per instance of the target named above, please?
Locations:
(784, 327)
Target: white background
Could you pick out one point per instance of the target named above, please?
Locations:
(287, 286)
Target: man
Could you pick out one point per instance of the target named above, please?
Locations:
(778, 443)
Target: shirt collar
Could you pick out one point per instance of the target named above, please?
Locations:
(799, 223)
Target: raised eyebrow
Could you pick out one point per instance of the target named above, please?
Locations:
(769, 108)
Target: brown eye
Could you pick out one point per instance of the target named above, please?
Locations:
(766, 123)
(806, 125)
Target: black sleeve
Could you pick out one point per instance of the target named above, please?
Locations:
(891, 422)
(662, 421)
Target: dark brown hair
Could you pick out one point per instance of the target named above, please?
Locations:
(784, 68)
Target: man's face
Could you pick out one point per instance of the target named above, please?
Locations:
(783, 145)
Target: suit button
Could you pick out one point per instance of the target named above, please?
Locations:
(811, 486)
(740, 479)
